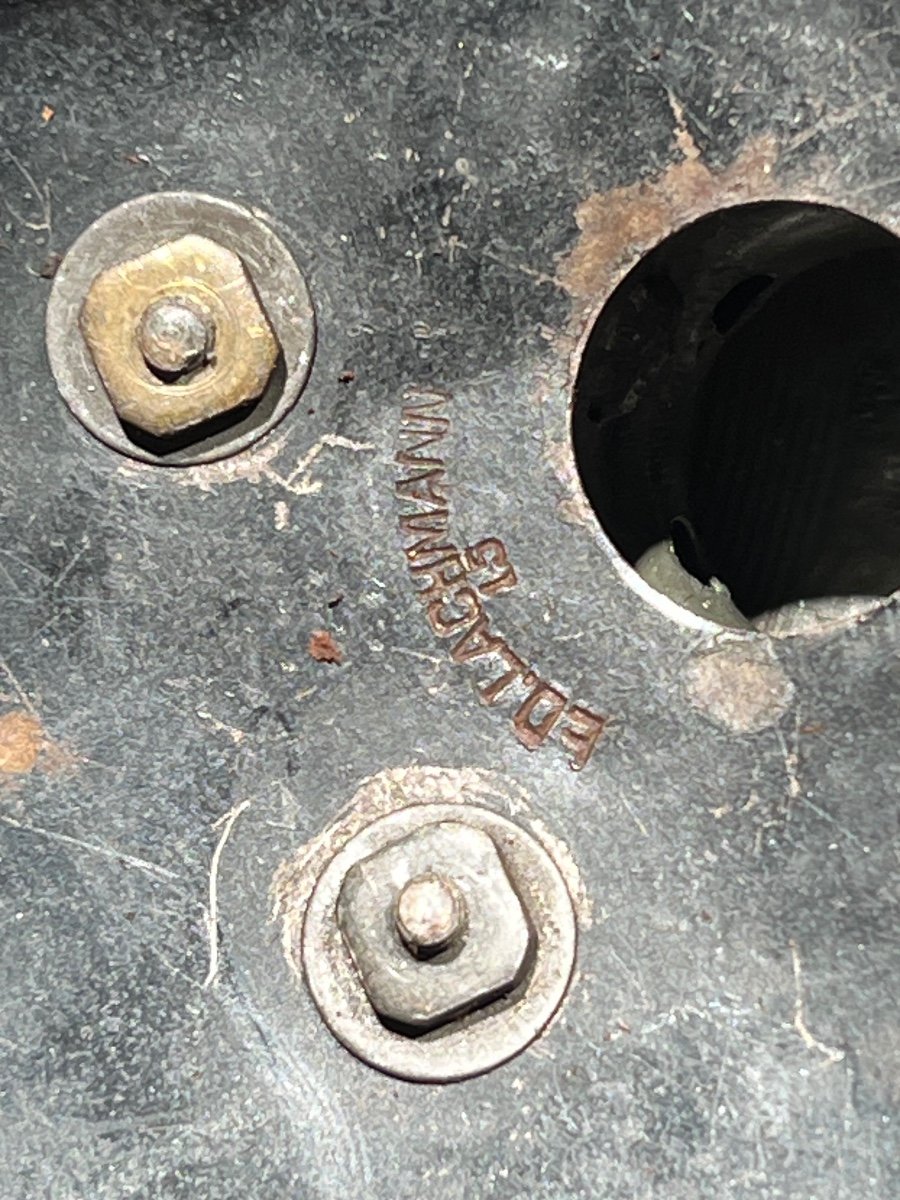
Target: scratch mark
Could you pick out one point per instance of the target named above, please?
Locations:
(130, 860)
(68, 567)
(826, 816)
(826, 124)
(432, 658)
(226, 821)
(831, 1053)
(17, 687)
(43, 197)
(254, 467)
(538, 276)
(876, 185)
(299, 481)
(282, 515)
(791, 769)
(795, 790)
(634, 816)
(714, 1107)
(236, 735)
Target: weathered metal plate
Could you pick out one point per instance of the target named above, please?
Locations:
(463, 185)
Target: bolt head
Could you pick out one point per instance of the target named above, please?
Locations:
(191, 272)
(175, 337)
(431, 913)
(484, 958)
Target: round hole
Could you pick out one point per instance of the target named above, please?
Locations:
(736, 420)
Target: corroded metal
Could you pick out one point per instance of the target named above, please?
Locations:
(167, 378)
(482, 999)
(207, 278)
(425, 993)
(431, 914)
(176, 336)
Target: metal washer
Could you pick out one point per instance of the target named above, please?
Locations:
(485, 1038)
(136, 227)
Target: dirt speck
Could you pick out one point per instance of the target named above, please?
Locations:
(50, 266)
(282, 515)
(21, 741)
(323, 648)
(739, 686)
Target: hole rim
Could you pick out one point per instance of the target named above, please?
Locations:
(804, 624)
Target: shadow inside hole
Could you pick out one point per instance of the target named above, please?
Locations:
(738, 401)
(219, 431)
(734, 305)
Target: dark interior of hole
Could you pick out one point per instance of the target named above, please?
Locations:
(739, 396)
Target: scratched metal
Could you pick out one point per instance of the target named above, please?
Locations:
(732, 1024)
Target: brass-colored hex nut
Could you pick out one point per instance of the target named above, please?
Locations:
(211, 279)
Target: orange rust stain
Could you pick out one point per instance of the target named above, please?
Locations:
(21, 741)
(617, 226)
(323, 648)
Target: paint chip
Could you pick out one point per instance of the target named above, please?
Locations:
(323, 647)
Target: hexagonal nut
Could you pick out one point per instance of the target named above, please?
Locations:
(211, 279)
(496, 951)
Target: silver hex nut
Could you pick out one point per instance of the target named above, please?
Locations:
(489, 958)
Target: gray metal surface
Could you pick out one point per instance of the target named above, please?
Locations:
(463, 184)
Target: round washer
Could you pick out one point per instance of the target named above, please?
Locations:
(486, 1037)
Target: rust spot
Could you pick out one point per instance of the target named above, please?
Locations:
(574, 507)
(21, 742)
(25, 746)
(619, 225)
(740, 687)
(323, 648)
